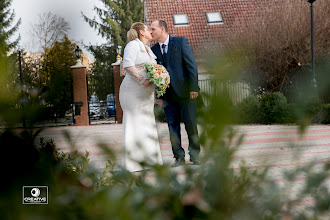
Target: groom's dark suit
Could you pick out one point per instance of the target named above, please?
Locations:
(181, 65)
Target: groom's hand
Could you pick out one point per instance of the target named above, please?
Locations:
(193, 95)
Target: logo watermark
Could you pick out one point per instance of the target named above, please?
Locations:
(35, 194)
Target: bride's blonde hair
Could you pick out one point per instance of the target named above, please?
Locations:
(134, 32)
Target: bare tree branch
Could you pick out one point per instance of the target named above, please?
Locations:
(281, 41)
(49, 29)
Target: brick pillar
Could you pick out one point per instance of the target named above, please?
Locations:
(118, 78)
(80, 94)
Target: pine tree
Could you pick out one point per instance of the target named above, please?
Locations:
(100, 80)
(116, 19)
(7, 17)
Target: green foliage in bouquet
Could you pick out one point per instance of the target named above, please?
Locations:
(159, 76)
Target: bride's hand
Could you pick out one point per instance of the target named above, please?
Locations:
(146, 83)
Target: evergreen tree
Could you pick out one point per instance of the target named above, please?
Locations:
(57, 72)
(7, 17)
(9, 95)
(116, 18)
(100, 79)
(8, 92)
(31, 70)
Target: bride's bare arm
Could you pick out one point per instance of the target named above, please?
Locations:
(135, 73)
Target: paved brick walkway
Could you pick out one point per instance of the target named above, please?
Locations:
(275, 146)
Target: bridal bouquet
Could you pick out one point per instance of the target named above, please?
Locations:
(159, 76)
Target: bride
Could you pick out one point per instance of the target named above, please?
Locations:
(140, 138)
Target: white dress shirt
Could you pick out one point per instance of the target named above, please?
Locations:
(166, 44)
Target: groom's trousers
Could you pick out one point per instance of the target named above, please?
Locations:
(174, 108)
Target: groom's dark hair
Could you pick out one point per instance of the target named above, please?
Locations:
(162, 23)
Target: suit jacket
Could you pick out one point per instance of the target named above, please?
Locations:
(181, 66)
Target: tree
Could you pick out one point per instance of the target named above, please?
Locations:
(49, 29)
(31, 70)
(8, 92)
(279, 42)
(7, 17)
(114, 20)
(100, 78)
(57, 72)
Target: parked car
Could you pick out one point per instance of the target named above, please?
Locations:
(111, 104)
(97, 108)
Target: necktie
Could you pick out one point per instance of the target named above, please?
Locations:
(164, 54)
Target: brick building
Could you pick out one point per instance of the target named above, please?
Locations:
(206, 23)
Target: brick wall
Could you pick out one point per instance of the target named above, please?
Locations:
(117, 82)
(80, 95)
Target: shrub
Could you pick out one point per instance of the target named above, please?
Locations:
(292, 116)
(311, 111)
(248, 110)
(213, 191)
(315, 112)
(273, 108)
(326, 110)
(159, 114)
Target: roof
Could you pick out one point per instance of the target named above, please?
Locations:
(201, 35)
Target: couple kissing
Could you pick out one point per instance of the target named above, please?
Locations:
(140, 137)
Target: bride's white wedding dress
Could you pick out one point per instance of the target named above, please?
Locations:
(140, 137)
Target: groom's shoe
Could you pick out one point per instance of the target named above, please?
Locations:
(195, 161)
(178, 162)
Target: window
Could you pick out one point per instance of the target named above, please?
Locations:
(214, 18)
(180, 19)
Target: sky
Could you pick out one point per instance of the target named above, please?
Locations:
(80, 31)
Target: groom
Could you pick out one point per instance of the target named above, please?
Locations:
(177, 56)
